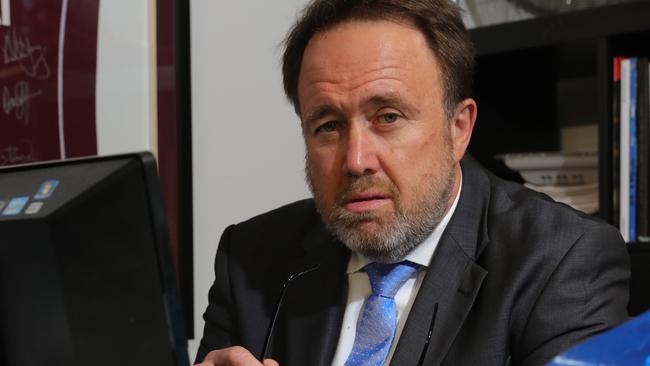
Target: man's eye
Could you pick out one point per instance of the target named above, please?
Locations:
(329, 126)
(390, 117)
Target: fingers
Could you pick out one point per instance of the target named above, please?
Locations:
(233, 356)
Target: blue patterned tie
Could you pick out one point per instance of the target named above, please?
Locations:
(378, 321)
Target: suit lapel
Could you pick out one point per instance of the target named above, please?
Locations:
(311, 315)
(452, 282)
(453, 279)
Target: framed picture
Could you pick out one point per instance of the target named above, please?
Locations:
(48, 87)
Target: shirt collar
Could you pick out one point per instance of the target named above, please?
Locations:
(422, 253)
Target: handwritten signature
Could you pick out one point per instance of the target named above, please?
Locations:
(31, 58)
(10, 155)
(18, 101)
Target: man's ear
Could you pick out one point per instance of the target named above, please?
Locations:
(462, 124)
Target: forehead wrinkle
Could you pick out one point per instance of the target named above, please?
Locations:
(327, 92)
(350, 79)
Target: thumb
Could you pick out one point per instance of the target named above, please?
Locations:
(270, 362)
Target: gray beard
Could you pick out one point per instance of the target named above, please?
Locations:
(401, 232)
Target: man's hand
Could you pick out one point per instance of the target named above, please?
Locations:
(234, 356)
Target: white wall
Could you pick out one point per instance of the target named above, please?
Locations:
(247, 145)
(123, 85)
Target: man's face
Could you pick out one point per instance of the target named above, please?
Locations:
(382, 160)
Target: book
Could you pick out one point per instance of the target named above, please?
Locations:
(616, 133)
(643, 139)
(633, 149)
(624, 151)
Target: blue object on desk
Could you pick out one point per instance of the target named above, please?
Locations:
(625, 345)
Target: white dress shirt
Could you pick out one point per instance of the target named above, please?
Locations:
(359, 289)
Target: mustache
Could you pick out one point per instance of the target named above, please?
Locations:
(366, 183)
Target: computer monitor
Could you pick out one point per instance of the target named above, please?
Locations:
(85, 270)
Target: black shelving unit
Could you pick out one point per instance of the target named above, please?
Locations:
(521, 69)
(639, 294)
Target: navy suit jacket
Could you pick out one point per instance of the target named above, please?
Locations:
(517, 278)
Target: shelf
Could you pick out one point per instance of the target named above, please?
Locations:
(638, 247)
(562, 28)
(538, 76)
(639, 294)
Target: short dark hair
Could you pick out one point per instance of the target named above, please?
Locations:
(439, 20)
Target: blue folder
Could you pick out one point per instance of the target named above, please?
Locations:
(625, 345)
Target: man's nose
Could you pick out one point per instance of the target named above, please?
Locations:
(360, 152)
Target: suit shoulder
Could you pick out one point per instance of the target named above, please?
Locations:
(282, 226)
(291, 214)
(520, 213)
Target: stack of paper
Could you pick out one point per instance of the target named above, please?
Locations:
(570, 178)
(583, 197)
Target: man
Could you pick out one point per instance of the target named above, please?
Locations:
(409, 253)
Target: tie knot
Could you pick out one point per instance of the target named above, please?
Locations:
(387, 278)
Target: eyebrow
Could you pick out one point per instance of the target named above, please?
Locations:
(318, 113)
(382, 99)
(390, 99)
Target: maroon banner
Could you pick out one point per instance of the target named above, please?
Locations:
(79, 71)
(37, 82)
